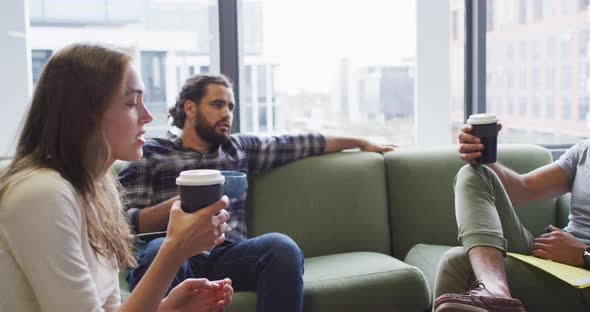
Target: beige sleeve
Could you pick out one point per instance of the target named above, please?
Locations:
(42, 225)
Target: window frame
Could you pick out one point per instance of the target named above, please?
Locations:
(475, 66)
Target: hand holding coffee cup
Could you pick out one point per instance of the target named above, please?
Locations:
(199, 188)
(478, 139)
(194, 232)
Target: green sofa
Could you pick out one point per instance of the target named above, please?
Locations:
(424, 225)
(357, 215)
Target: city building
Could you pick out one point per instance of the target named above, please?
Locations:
(387, 91)
(537, 68)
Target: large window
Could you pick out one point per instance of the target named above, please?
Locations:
(171, 40)
(38, 60)
(389, 71)
(548, 85)
(153, 69)
(336, 67)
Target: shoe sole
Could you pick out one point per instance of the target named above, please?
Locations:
(458, 307)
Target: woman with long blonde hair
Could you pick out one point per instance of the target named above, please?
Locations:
(62, 232)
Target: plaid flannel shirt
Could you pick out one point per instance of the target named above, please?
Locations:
(152, 179)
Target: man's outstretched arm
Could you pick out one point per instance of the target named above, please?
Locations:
(336, 144)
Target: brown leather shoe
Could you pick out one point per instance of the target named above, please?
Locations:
(478, 299)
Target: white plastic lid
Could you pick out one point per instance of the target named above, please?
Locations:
(482, 119)
(200, 177)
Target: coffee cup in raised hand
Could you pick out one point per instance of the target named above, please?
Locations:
(485, 127)
(199, 188)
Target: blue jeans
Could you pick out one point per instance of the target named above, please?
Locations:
(271, 264)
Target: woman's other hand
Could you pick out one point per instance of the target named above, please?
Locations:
(198, 295)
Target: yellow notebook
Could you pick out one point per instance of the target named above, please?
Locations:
(572, 275)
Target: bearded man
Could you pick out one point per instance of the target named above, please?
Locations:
(271, 264)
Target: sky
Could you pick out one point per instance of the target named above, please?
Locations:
(309, 37)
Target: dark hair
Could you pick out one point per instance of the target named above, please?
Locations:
(194, 89)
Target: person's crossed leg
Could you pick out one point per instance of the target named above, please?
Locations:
(487, 225)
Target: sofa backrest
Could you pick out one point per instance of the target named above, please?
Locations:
(357, 201)
(328, 204)
(421, 199)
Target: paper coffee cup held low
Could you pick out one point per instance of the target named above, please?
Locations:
(199, 188)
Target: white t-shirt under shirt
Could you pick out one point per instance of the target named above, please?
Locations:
(576, 164)
(46, 262)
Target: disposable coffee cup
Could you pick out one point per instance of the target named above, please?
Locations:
(485, 127)
(199, 188)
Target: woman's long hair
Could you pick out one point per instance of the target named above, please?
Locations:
(63, 131)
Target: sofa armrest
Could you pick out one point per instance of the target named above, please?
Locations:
(563, 210)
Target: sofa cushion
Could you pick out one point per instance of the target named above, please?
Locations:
(123, 285)
(355, 281)
(421, 199)
(426, 258)
(328, 204)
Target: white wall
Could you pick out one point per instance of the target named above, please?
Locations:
(15, 66)
(432, 109)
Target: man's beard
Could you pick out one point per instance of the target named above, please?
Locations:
(207, 131)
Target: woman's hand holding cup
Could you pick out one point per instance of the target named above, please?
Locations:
(200, 230)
